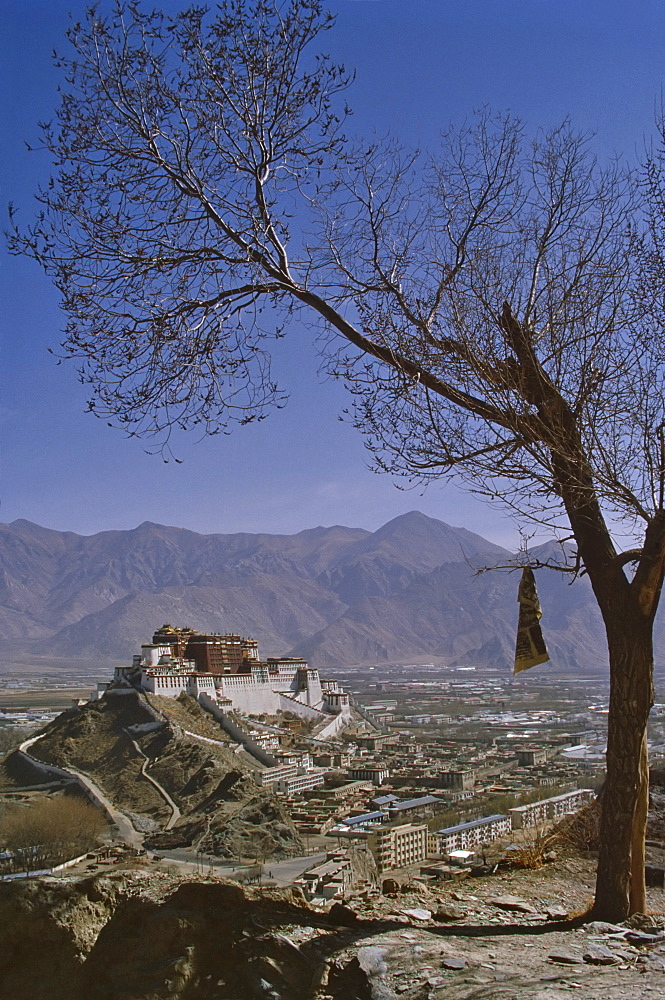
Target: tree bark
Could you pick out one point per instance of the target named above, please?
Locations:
(620, 887)
(638, 895)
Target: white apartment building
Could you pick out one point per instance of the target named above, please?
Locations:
(295, 784)
(466, 836)
(549, 810)
(398, 846)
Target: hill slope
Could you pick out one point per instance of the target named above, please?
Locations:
(220, 808)
(144, 932)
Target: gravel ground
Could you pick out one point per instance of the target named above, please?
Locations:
(491, 939)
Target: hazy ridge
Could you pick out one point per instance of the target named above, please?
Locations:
(336, 595)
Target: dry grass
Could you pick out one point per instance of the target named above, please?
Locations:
(188, 714)
(532, 843)
(582, 829)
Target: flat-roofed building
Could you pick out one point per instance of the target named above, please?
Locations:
(464, 836)
(350, 790)
(332, 759)
(328, 879)
(398, 846)
(376, 773)
(530, 756)
(296, 784)
(374, 741)
(458, 780)
(550, 809)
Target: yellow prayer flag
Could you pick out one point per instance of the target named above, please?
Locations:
(530, 647)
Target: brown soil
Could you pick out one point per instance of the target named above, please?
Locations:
(188, 714)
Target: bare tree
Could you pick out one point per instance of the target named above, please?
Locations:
(486, 307)
(49, 831)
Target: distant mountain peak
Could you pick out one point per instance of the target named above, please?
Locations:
(337, 595)
(22, 522)
(410, 517)
(23, 526)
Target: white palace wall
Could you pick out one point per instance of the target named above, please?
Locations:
(249, 695)
(280, 684)
(287, 704)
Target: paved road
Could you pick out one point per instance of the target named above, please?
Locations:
(282, 873)
(175, 812)
(130, 836)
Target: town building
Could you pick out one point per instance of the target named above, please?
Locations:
(374, 741)
(349, 790)
(422, 804)
(397, 846)
(549, 810)
(457, 780)
(332, 759)
(294, 785)
(465, 836)
(362, 821)
(376, 773)
(530, 756)
(328, 879)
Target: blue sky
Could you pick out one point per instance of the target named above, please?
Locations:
(419, 64)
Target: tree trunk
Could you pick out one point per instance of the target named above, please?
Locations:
(620, 887)
(638, 896)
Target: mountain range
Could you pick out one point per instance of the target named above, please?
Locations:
(339, 595)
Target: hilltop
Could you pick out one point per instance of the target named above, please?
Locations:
(220, 809)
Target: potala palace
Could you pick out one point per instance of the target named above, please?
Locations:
(226, 670)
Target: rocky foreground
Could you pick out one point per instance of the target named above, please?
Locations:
(137, 932)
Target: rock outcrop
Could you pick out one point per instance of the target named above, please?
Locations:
(146, 934)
